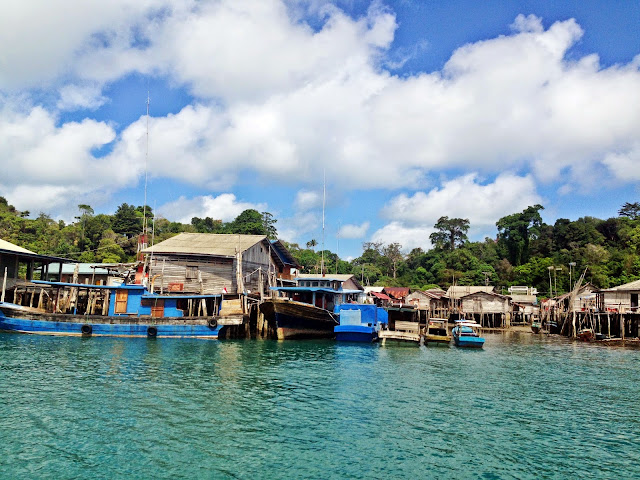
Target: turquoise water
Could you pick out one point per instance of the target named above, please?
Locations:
(524, 407)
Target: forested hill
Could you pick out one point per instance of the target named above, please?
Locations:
(525, 251)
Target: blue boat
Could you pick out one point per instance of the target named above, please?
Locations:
(465, 334)
(100, 310)
(359, 322)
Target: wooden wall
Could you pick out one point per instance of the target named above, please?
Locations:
(484, 304)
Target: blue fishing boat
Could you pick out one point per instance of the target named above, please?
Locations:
(118, 310)
(465, 334)
(359, 322)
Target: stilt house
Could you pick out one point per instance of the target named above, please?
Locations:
(206, 263)
(487, 308)
(620, 299)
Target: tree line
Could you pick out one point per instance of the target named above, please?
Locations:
(525, 250)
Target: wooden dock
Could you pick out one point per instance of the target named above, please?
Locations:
(403, 332)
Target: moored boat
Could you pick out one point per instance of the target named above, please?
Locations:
(536, 326)
(119, 310)
(359, 322)
(465, 334)
(308, 309)
(437, 332)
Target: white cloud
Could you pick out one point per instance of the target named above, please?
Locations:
(407, 236)
(353, 231)
(625, 165)
(76, 97)
(280, 98)
(224, 207)
(306, 200)
(412, 217)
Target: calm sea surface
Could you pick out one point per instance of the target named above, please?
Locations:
(525, 407)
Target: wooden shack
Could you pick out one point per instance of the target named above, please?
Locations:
(208, 263)
(19, 265)
(524, 301)
(620, 299)
(487, 308)
(430, 301)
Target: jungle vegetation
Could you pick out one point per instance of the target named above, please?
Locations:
(525, 250)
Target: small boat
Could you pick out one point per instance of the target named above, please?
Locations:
(586, 335)
(127, 310)
(465, 334)
(359, 322)
(437, 332)
(536, 326)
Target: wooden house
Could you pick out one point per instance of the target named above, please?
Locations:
(19, 265)
(374, 295)
(287, 266)
(431, 301)
(524, 301)
(398, 294)
(620, 299)
(208, 263)
(456, 292)
(489, 309)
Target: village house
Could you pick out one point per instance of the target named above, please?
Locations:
(398, 295)
(456, 292)
(489, 309)
(211, 264)
(375, 296)
(620, 299)
(19, 265)
(431, 301)
(524, 301)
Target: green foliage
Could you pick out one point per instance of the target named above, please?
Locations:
(450, 233)
(516, 231)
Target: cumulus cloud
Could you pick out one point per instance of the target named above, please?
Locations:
(412, 217)
(306, 200)
(225, 207)
(276, 96)
(353, 231)
(625, 165)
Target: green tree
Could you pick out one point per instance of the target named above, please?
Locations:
(269, 224)
(126, 221)
(516, 231)
(631, 210)
(450, 233)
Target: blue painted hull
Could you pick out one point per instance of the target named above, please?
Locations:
(106, 326)
(468, 342)
(355, 333)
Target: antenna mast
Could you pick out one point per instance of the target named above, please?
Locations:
(146, 163)
(324, 194)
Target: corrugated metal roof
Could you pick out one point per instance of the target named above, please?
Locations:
(4, 245)
(222, 245)
(461, 290)
(635, 285)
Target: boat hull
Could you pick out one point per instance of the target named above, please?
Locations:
(21, 320)
(297, 320)
(355, 333)
(468, 342)
(437, 340)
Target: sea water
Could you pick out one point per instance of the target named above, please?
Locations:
(526, 406)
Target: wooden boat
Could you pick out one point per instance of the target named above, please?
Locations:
(465, 334)
(121, 310)
(360, 322)
(536, 327)
(586, 335)
(309, 309)
(437, 332)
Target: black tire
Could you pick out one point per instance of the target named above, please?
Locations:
(213, 323)
(152, 332)
(86, 329)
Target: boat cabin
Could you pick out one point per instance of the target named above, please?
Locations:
(325, 292)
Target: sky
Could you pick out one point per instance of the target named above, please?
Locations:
(400, 111)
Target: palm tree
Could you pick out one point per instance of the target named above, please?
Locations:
(311, 244)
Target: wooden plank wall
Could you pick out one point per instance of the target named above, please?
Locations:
(215, 272)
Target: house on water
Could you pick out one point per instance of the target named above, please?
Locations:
(489, 309)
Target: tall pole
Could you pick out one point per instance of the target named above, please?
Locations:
(324, 195)
(571, 264)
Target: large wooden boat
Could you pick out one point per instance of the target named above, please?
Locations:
(122, 310)
(309, 309)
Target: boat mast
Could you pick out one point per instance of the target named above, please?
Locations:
(324, 195)
(142, 242)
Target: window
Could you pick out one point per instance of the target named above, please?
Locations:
(191, 273)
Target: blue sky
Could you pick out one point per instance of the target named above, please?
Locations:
(412, 109)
